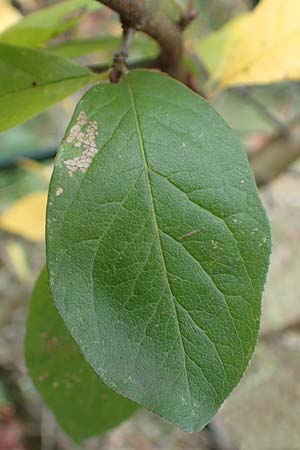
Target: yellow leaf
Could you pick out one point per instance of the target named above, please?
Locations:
(262, 46)
(26, 217)
(18, 260)
(8, 15)
(44, 172)
(217, 48)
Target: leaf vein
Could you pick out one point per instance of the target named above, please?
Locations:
(143, 151)
(216, 217)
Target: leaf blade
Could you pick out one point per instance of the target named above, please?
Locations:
(106, 45)
(169, 279)
(38, 28)
(33, 80)
(63, 377)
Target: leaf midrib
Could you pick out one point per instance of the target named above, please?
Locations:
(146, 166)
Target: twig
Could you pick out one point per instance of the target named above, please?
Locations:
(246, 92)
(47, 430)
(217, 436)
(119, 63)
(19, 7)
(145, 63)
(188, 16)
(291, 327)
(144, 15)
(276, 155)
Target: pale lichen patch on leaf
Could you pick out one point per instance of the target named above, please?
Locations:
(83, 133)
(59, 191)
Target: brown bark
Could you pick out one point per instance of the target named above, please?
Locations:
(276, 156)
(146, 16)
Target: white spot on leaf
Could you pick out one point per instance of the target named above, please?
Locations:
(59, 191)
(82, 134)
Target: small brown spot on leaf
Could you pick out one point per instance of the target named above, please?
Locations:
(53, 344)
(186, 235)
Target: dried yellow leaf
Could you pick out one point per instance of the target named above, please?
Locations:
(44, 172)
(262, 46)
(8, 15)
(26, 217)
(18, 260)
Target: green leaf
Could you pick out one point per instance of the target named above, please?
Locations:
(141, 47)
(82, 404)
(81, 47)
(38, 28)
(157, 246)
(33, 80)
